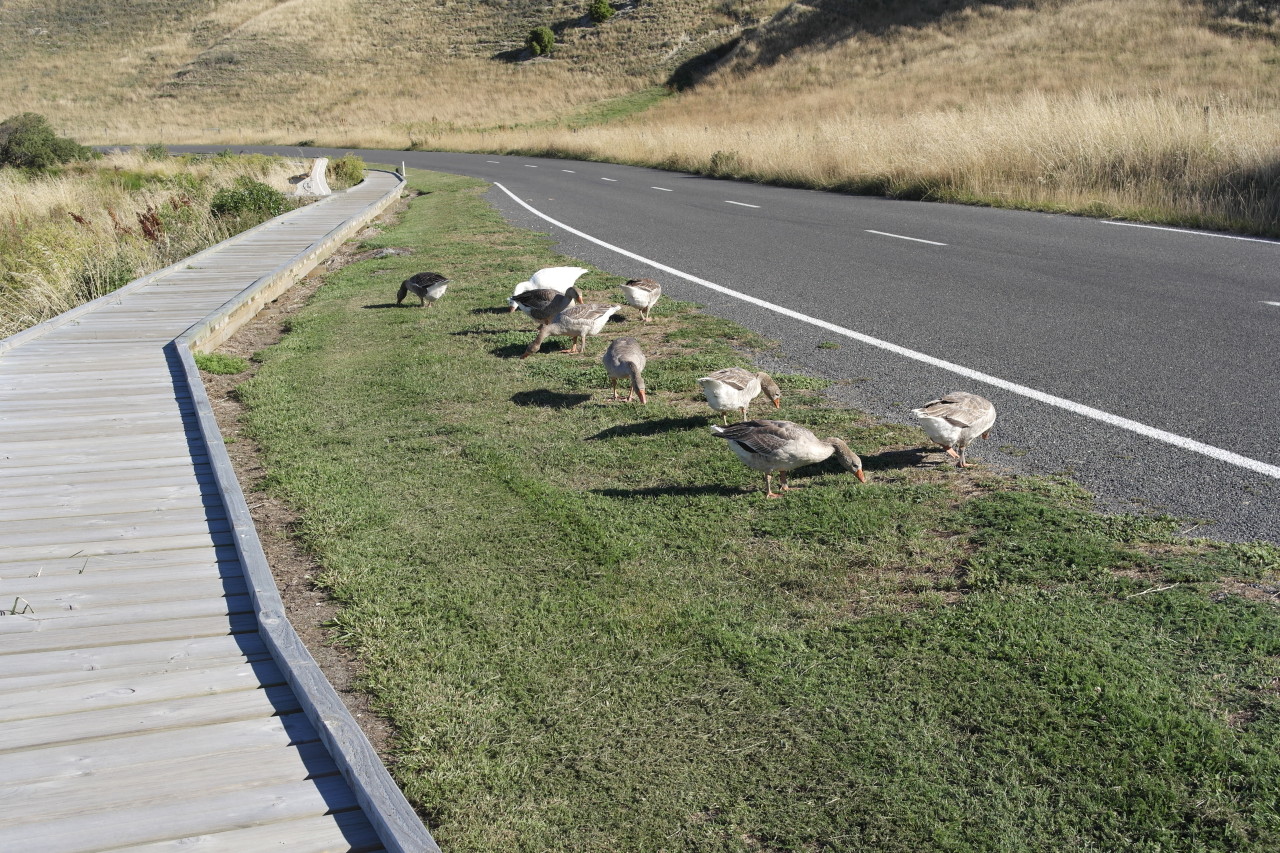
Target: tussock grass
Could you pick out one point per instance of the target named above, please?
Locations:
(592, 632)
(74, 236)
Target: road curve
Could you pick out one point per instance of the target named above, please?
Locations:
(1142, 361)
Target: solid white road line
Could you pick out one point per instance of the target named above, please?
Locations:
(1183, 442)
(1192, 233)
(1277, 304)
(900, 237)
(743, 204)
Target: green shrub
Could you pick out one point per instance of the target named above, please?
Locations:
(155, 151)
(346, 171)
(600, 11)
(540, 41)
(248, 198)
(28, 142)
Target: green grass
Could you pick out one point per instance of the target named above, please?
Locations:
(220, 363)
(592, 632)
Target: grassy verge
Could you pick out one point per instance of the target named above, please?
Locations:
(592, 632)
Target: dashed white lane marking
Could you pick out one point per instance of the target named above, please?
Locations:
(1183, 442)
(901, 237)
(611, 180)
(743, 204)
(570, 171)
(662, 189)
(491, 161)
(1191, 232)
(1277, 304)
(530, 166)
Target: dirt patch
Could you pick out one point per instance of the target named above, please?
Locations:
(309, 609)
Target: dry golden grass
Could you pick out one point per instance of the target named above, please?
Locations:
(1149, 108)
(70, 238)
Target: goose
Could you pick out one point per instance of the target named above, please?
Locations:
(624, 359)
(782, 446)
(578, 321)
(558, 279)
(956, 419)
(733, 389)
(544, 303)
(642, 293)
(427, 286)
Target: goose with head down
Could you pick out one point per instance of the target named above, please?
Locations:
(558, 279)
(956, 419)
(625, 360)
(779, 447)
(733, 388)
(577, 321)
(427, 286)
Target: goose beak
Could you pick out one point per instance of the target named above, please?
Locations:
(777, 404)
(862, 478)
(643, 399)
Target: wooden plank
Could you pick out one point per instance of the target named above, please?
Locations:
(89, 664)
(176, 714)
(128, 688)
(141, 545)
(95, 580)
(110, 595)
(160, 781)
(180, 469)
(119, 528)
(64, 503)
(114, 754)
(348, 832)
(166, 444)
(158, 560)
(128, 827)
(58, 621)
(135, 632)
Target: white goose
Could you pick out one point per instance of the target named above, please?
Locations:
(642, 293)
(578, 321)
(427, 286)
(733, 388)
(558, 279)
(782, 446)
(625, 360)
(956, 419)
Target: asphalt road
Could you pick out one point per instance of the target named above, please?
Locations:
(1144, 362)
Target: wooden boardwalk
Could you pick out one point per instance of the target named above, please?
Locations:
(152, 694)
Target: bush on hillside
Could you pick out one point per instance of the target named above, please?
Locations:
(248, 198)
(540, 41)
(28, 142)
(600, 11)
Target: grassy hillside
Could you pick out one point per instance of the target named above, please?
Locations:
(1164, 110)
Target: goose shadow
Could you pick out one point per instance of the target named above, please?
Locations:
(492, 310)
(671, 491)
(896, 459)
(516, 350)
(652, 427)
(388, 305)
(547, 399)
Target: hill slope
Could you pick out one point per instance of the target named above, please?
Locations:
(1157, 109)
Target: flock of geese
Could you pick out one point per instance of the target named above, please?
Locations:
(551, 298)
